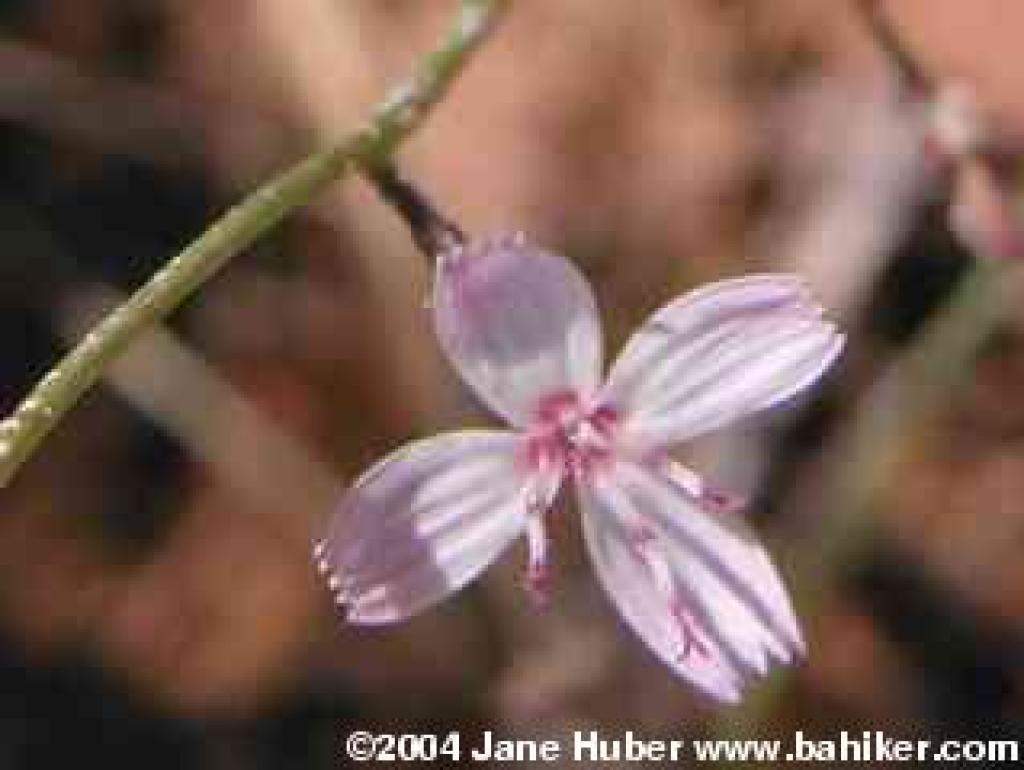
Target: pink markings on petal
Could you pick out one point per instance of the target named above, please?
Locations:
(687, 640)
(696, 587)
(728, 575)
(634, 566)
(692, 643)
(604, 418)
(567, 432)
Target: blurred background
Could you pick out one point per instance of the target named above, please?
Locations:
(157, 603)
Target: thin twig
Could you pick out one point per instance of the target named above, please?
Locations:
(393, 121)
(432, 232)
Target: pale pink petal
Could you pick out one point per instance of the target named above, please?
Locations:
(722, 576)
(716, 355)
(424, 522)
(647, 608)
(518, 324)
(728, 550)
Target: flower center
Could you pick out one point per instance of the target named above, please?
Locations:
(570, 434)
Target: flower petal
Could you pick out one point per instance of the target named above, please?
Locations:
(717, 354)
(518, 324)
(630, 583)
(424, 522)
(727, 549)
(737, 605)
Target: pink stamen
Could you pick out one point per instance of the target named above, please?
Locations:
(690, 642)
(640, 537)
(722, 502)
(717, 501)
(567, 438)
(538, 584)
(644, 540)
(538, 574)
(555, 406)
(604, 419)
(565, 433)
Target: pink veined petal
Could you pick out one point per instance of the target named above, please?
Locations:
(716, 355)
(721, 573)
(634, 589)
(722, 564)
(424, 522)
(518, 324)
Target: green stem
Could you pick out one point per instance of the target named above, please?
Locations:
(396, 118)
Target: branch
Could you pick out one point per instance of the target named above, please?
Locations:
(431, 231)
(395, 119)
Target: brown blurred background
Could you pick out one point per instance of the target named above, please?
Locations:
(156, 600)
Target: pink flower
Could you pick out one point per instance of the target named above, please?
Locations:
(522, 329)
